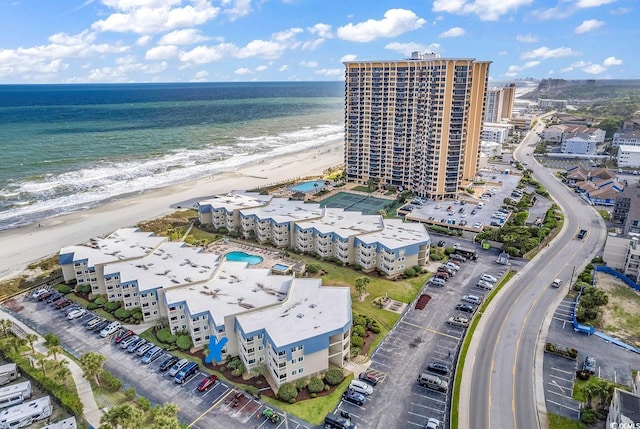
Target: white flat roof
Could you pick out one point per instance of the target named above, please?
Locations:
(310, 310)
(628, 148)
(236, 200)
(125, 243)
(283, 210)
(344, 223)
(398, 234)
(171, 264)
(235, 289)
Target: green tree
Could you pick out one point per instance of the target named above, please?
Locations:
(62, 371)
(15, 343)
(589, 391)
(5, 326)
(287, 392)
(122, 416)
(31, 339)
(51, 340)
(42, 361)
(55, 351)
(361, 284)
(92, 364)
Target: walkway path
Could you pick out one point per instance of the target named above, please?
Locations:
(91, 411)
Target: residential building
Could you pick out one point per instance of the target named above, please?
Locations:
(370, 241)
(578, 145)
(624, 410)
(627, 138)
(549, 104)
(499, 133)
(499, 104)
(628, 156)
(414, 124)
(491, 149)
(562, 132)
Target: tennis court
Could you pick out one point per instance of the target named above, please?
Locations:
(352, 202)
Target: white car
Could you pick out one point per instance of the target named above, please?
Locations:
(74, 314)
(451, 265)
(433, 424)
(111, 328)
(361, 387)
(463, 214)
(488, 278)
(484, 285)
(477, 225)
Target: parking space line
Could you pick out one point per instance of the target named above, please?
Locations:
(215, 404)
(431, 330)
(562, 370)
(561, 378)
(433, 399)
(426, 406)
(563, 406)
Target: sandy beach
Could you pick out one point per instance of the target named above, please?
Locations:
(22, 246)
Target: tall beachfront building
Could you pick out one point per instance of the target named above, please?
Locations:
(415, 123)
(499, 105)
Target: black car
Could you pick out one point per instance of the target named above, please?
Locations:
(467, 308)
(441, 243)
(100, 326)
(368, 377)
(456, 257)
(168, 363)
(582, 233)
(589, 365)
(56, 296)
(354, 397)
(438, 368)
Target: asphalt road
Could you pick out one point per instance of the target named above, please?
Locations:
(502, 380)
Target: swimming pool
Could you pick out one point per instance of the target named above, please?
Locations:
(280, 267)
(308, 186)
(243, 257)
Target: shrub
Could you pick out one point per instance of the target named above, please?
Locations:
(586, 278)
(252, 390)
(358, 330)
(110, 381)
(143, 403)
(359, 320)
(355, 351)
(375, 329)
(112, 306)
(130, 393)
(588, 416)
(51, 340)
(357, 341)
(315, 385)
(313, 268)
(410, 272)
(597, 260)
(287, 392)
(164, 335)
(184, 342)
(314, 395)
(84, 288)
(223, 368)
(92, 306)
(236, 372)
(100, 301)
(122, 314)
(234, 363)
(334, 376)
(136, 315)
(300, 383)
(63, 288)
(434, 256)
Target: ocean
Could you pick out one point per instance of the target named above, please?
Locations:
(65, 148)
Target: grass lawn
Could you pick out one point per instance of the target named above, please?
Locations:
(313, 410)
(362, 188)
(83, 302)
(577, 388)
(561, 422)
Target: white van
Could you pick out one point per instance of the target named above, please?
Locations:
(178, 366)
(361, 387)
(111, 328)
(433, 382)
(472, 299)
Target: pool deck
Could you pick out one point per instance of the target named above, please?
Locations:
(270, 256)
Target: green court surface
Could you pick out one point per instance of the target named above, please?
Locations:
(352, 202)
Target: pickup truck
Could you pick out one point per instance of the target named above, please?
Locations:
(582, 234)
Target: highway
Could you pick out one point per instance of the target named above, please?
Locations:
(500, 388)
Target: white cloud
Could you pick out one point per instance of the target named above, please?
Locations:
(594, 69)
(527, 65)
(239, 8)
(407, 48)
(592, 3)
(200, 76)
(321, 30)
(526, 38)
(580, 64)
(620, 11)
(394, 23)
(330, 72)
(242, 71)
(503, 53)
(187, 36)
(566, 69)
(165, 52)
(453, 32)
(144, 40)
(154, 16)
(486, 10)
(207, 54)
(612, 61)
(261, 49)
(283, 68)
(348, 57)
(588, 25)
(261, 68)
(310, 45)
(309, 64)
(545, 53)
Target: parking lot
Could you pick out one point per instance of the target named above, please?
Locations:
(220, 406)
(421, 337)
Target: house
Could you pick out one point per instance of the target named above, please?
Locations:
(626, 138)
(578, 145)
(628, 156)
(600, 192)
(577, 174)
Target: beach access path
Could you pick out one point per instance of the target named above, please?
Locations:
(22, 246)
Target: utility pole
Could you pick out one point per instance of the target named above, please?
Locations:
(572, 273)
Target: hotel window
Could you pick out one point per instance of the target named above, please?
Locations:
(301, 358)
(260, 348)
(301, 370)
(294, 372)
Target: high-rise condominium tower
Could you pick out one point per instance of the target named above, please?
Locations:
(414, 123)
(499, 105)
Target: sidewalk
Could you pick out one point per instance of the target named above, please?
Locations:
(90, 408)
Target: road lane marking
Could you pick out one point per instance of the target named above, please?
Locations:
(431, 330)
(215, 404)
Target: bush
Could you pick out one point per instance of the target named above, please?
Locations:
(435, 256)
(110, 381)
(597, 260)
(130, 393)
(287, 392)
(334, 376)
(112, 306)
(359, 320)
(236, 372)
(92, 306)
(223, 368)
(410, 272)
(101, 300)
(136, 315)
(357, 341)
(84, 288)
(252, 390)
(358, 330)
(375, 329)
(164, 335)
(184, 342)
(588, 416)
(234, 363)
(315, 385)
(63, 288)
(143, 403)
(314, 395)
(313, 268)
(122, 314)
(300, 383)
(51, 340)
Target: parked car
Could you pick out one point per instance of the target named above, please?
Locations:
(122, 335)
(100, 326)
(484, 285)
(190, 369)
(144, 348)
(442, 275)
(472, 299)
(467, 308)
(447, 270)
(354, 397)
(135, 345)
(458, 321)
(124, 344)
(589, 365)
(452, 266)
(38, 293)
(74, 314)
(44, 296)
(457, 257)
(207, 383)
(437, 282)
(438, 368)
(488, 278)
(441, 243)
(94, 321)
(368, 377)
(474, 211)
(361, 387)
(63, 304)
(477, 225)
(168, 363)
(56, 296)
(152, 354)
(433, 424)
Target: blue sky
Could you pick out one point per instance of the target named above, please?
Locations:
(77, 41)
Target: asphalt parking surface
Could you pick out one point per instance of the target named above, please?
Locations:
(219, 407)
(419, 337)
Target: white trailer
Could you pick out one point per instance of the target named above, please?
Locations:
(69, 423)
(8, 373)
(23, 415)
(15, 394)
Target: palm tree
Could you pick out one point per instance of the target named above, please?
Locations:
(31, 338)
(54, 350)
(589, 391)
(92, 363)
(15, 343)
(605, 392)
(361, 284)
(42, 361)
(5, 325)
(62, 370)
(122, 415)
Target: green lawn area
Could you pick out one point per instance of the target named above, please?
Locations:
(560, 422)
(577, 388)
(622, 313)
(362, 188)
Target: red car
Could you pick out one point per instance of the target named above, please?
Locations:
(123, 334)
(443, 275)
(207, 383)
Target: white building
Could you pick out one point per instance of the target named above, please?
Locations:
(498, 133)
(628, 139)
(628, 156)
(578, 145)
(491, 149)
(624, 411)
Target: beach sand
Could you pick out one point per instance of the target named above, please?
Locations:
(22, 246)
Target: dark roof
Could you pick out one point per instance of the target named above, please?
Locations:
(629, 405)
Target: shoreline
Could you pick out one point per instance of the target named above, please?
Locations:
(31, 243)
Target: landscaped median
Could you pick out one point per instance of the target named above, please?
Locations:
(455, 400)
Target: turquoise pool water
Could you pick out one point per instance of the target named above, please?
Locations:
(243, 257)
(308, 186)
(280, 267)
